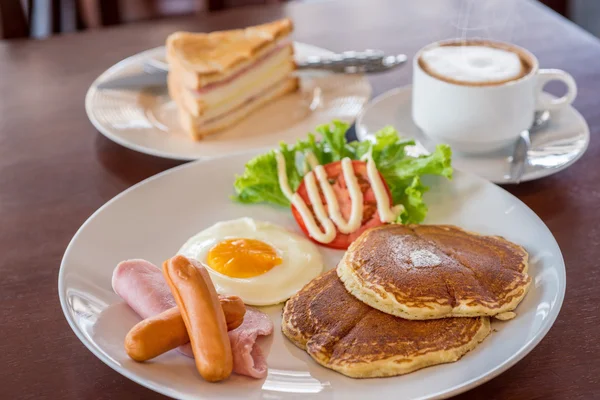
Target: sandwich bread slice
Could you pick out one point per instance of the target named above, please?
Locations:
(216, 79)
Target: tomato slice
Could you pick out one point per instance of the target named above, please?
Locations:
(336, 178)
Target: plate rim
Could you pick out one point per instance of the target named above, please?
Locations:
(455, 390)
(362, 134)
(164, 154)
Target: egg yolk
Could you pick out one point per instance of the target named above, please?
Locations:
(242, 258)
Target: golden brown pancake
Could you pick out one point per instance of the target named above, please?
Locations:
(435, 271)
(344, 334)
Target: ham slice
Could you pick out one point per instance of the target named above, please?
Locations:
(141, 284)
(211, 86)
(248, 358)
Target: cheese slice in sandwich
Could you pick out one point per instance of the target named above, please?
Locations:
(218, 78)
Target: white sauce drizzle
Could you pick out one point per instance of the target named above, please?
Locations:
(311, 159)
(319, 210)
(386, 214)
(282, 175)
(313, 229)
(333, 208)
(333, 205)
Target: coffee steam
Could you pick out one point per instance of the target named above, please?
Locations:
(496, 20)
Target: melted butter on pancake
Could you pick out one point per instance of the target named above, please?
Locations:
(424, 258)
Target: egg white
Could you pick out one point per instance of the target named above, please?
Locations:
(301, 260)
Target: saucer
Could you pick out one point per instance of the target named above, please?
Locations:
(555, 147)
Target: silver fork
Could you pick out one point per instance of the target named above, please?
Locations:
(349, 62)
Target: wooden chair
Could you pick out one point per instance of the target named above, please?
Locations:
(40, 18)
(14, 22)
(113, 12)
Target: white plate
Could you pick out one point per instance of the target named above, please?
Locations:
(146, 120)
(152, 219)
(554, 148)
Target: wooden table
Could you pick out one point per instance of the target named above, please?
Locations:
(55, 170)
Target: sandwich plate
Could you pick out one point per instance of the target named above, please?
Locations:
(146, 120)
(150, 221)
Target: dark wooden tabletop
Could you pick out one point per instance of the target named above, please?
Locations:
(55, 170)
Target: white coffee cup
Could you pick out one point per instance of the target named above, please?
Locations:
(479, 118)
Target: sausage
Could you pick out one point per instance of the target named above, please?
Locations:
(234, 311)
(142, 285)
(163, 332)
(202, 315)
(156, 335)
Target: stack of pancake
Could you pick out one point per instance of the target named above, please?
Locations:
(407, 297)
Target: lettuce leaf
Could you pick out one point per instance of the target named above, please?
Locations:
(260, 184)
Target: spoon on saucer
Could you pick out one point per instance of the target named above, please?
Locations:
(519, 156)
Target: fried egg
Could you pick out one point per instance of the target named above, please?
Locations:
(260, 262)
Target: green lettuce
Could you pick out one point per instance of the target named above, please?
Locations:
(260, 184)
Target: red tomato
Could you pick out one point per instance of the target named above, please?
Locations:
(336, 178)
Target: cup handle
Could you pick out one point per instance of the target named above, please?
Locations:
(546, 75)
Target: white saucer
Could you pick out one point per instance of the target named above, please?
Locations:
(554, 148)
(147, 121)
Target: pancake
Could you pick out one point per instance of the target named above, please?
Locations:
(435, 271)
(344, 334)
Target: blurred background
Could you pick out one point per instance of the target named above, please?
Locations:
(42, 18)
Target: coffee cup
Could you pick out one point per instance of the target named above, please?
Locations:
(479, 95)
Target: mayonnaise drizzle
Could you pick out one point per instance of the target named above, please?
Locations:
(282, 176)
(329, 232)
(333, 208)
(311, 159)
(319, 210)
(333, 205)
(386, 214)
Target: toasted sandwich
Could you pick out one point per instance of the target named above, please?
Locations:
(218, 78)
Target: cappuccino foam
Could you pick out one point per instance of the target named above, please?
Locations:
(473, 64)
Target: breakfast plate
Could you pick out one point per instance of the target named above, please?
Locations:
(154, 218)
(555, 147)
(146, 120)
